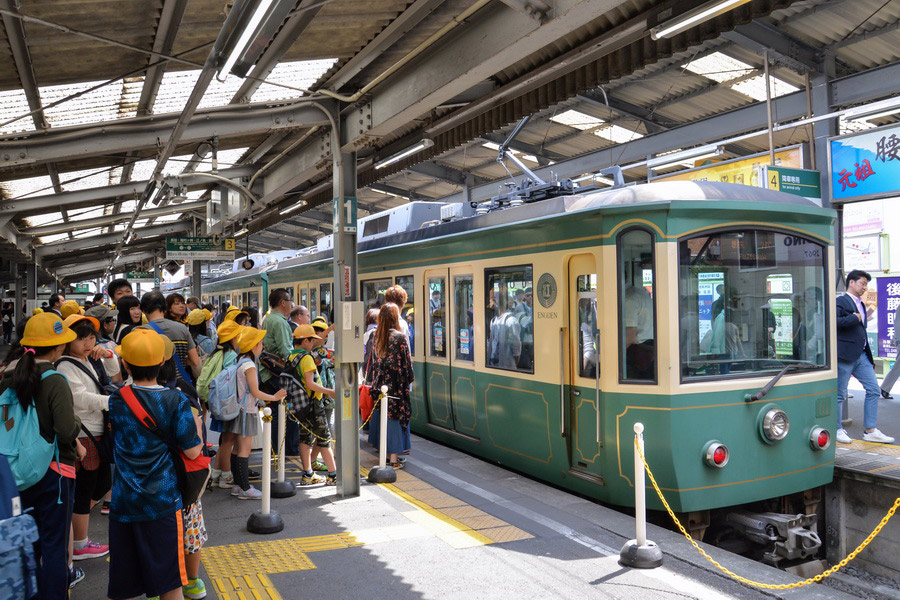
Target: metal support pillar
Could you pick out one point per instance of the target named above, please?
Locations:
(195, 278)
(157, 275)
(18, 313)
(345, 284)
(30, 287)
(821, 104)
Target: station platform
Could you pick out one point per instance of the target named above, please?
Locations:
(452, 526)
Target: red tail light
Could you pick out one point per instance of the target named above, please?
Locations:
(819, 438)
(717, 454)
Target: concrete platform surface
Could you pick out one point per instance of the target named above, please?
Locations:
(452, 526)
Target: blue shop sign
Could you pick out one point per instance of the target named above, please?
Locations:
(865, 165)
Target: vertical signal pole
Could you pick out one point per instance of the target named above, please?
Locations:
(345, 285)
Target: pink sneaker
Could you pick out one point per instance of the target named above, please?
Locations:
(92, 550)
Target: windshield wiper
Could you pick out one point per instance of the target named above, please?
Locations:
(798, 365)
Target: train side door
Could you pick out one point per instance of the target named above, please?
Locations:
(435, 343)
(583, 393)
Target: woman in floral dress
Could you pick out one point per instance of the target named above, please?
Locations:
(391, 365)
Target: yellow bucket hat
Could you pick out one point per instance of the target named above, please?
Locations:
(305, 331)
(70, 307)
(72, 319)
(233, 313)
(249, 338)
(142, 348)
(228, 330)
(37, 311)
(196, 317)
(46, 329)
(207, 313)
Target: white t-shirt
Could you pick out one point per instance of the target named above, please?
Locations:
(250, 403)
(89, 402)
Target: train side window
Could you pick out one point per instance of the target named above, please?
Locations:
(373, 292)
(464, 303)
(437, 311)
(313, 305)
(303, 298)
(509, 318)
(587, 325)
(325, 301)
(637, 310)
(408, 311)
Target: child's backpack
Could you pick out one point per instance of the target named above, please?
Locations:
(223, 400)
(297, 401)
(211, 368)
(18, 567)
(28, 453)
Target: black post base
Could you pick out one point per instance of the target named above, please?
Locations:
(648, 556)
(260, 523)
(283, 489)
(382, 475)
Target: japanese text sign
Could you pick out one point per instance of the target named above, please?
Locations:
(866, 165)
(888, 301)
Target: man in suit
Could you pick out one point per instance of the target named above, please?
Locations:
(56, 302)
(855, 356)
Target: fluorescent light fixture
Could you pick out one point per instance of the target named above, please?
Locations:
(873, 110)
(661, 162)
(257, 23)
(292, 207)
(692, 18)
(425, 143)
(241, 232)
(246, 34)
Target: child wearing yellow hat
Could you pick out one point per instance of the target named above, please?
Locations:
(43, 389)
(223, 356)
(70, 307)
(146, 537)
(196, 322)
(246, 425)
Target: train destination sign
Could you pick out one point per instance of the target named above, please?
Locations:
(199, 248)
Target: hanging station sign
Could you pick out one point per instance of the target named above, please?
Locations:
(139, 276)
(199, 248)
(865, 165)
(799, 182)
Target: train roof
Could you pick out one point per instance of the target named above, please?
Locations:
(632, 195)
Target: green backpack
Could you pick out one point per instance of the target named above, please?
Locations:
(211, 368)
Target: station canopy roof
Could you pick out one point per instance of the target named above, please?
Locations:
(90, 91)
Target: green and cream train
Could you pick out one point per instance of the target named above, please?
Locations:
(543, 332)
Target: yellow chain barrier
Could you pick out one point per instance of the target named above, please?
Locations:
(767, 586)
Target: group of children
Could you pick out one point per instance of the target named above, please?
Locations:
(77, 373)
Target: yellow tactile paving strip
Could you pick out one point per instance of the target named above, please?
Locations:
(884, 449)
(449, 518)
(871, 448)
(239, 571)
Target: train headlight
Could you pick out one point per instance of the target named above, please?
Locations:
(819, 439)
(773, 424)
(716, 454)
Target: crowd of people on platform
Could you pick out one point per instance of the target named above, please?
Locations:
(121, 392)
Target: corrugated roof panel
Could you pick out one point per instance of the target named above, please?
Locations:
(719, 67)
(83, 180)
(13, 103)
(716, 100)
(31, 186)
(300, 74)
(756, 87)
(45, 219)
(96, 106)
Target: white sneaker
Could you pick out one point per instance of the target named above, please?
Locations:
(214, 475)
(877, 437)
(843, 437)
(236, 490)
(226, 480)
(250, 494)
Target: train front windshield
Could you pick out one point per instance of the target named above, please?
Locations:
(751, 301)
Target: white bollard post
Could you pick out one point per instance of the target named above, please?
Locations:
(382, 438)
(266, 520)
(282, 488)
(640, 552)
(383, 473)
(640, 499)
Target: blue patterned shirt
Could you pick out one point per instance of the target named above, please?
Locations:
(145, 486)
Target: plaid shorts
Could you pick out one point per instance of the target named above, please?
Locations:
(91, 460)
(195, 535)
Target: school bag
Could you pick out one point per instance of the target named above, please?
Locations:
(192, 473)
(181, 370)
(297, 400)
(211, 368)
(28, 453)
(222, 399)
(18, 567)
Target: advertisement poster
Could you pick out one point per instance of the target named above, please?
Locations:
(709, 288)
(863, 218)
(863, 252)
(742, 171)
(865, 165)
(889, 300)
(782, 310)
